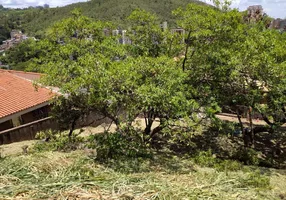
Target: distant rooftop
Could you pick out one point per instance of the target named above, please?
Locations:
(26, 75)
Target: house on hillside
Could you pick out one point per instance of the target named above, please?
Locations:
(123, 39)
(20, 102)
(16, 38)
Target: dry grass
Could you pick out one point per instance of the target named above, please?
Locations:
(55, 175)
(14, 148)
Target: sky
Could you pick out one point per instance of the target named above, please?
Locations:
(27, 3)
(274, 8)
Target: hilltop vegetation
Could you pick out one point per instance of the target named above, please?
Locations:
(34, 21)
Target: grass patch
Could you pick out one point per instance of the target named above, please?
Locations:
(74, 175)
(115, 166)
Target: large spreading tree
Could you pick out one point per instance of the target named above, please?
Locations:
(222, 62)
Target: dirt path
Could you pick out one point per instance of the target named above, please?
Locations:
(233, 118)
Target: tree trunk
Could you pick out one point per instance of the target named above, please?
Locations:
(186, 51)
(72, 128)
(240, 122)
(265, 118)
(244, 134)
(149, 123)
(251, 126)
(156, 130)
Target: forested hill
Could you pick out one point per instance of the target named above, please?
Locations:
(33, 21)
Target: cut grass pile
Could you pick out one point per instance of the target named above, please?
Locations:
(56, 175)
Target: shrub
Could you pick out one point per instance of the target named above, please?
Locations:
(205, 159)
(42, 135)
(113, 145)
(248, 156)
(208, 159)
(60, 143)
(228, 165)
(255, 179)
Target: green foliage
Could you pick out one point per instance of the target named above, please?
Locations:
(34, 21)
(228, 165)
(247, 156)
(20, 56)
(227, 63)
(116, 145)
(208, 159)
(59, 143)
(234, 63)
(205, 158)
(45, 134)
(256, 180)
(130, 79)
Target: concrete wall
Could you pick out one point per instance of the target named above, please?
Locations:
(26, 131)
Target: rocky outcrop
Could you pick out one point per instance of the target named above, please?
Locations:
(254, 13)
(279, 24)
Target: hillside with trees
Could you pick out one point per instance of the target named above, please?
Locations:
(34, 21)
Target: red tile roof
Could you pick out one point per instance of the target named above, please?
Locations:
(18, 94)
(27, 75)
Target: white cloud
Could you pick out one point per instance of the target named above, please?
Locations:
(274, 8)
(27, 3)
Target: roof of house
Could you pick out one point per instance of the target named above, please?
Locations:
(26, 75)
(17, 92)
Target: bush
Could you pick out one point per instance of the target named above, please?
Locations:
(224, 128)
(113, 145)
(248, 156)
(205, 159)
(208, 159)
(228, 165)
(255, 179)
(42, 135)
(60, 143)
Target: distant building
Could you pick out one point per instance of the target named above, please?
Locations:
(164, 26)
(123, 38)
(180, 32)
(106, 32)
(16, 38)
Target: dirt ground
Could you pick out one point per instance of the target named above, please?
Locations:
(233, 118)
(15, 148)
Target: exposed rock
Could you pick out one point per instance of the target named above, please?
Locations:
(279, 24)
(254, 13)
